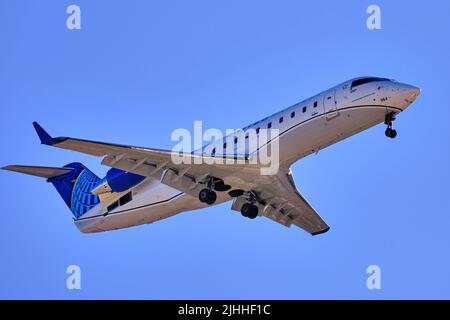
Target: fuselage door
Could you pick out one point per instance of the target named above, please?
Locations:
(330, 104)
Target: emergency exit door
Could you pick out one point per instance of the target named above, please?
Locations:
(330, 104)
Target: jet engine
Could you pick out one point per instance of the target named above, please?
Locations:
(117, 180)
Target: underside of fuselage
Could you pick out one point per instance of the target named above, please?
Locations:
(322, 131)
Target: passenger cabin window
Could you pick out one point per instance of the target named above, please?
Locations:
(235, 140)
(292, 114)
(113, 206)
(281, 120)
(304, 109)
(257, 130)
(315, 104)
(269, 125)
(122, 201)
(366, 80)
(125, 199)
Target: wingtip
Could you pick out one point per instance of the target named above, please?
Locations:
(321, 231)
(42, 134)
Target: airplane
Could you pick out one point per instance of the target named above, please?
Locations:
(145, 185)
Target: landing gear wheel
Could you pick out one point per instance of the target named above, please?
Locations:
(387, 132)
(390, 133)
(253, 212)
(207, 196)
(212, 198)
(221, 186)
(203, 195)
(236, 193)
(245, 209)
(249, 210)
(393, 134)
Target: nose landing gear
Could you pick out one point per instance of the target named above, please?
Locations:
(389, 132)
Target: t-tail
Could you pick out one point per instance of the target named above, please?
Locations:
(74, 182)
(81, 189)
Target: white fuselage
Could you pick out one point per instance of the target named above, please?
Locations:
(305, 128)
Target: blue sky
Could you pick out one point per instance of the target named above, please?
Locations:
(137, 70)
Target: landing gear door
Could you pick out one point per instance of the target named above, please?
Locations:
(330, 104)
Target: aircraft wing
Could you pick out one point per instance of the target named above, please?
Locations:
(181, 171)
(189, 172)
(284, 204)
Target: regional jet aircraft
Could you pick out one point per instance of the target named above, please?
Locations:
(145, 185)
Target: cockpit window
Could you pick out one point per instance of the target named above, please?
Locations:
(359, 82)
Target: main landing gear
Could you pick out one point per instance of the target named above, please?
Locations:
(208, 195)
(248, 209)
(390, 133)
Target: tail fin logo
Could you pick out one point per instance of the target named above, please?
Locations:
(82, 198)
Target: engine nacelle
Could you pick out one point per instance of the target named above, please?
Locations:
(117, 180)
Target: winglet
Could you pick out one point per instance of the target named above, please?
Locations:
(43, 135)
(321, 231)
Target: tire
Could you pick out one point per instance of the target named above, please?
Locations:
(387, 132)
(245, 209)
(253, 212)
(203, 195)
(212, 197)
(221, 186)
(393, 134)
(236, 193)
(249, 210)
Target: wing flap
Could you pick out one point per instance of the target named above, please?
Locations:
(284, 204)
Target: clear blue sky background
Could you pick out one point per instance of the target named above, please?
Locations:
(140, 69)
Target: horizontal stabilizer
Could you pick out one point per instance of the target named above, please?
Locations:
(43, 172)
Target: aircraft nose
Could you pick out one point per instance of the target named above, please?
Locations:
(409, 93)
(413, 92)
